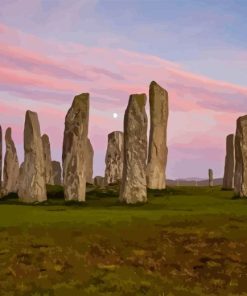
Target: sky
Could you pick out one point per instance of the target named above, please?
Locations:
(52, 50)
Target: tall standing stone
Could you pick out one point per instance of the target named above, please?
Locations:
(134, 185)
(47, 158)
(74, 149)
(157, 155)
(240, 178)
(210, 178)
(1, 158)
(114, 158)
(32, 187)
(11, 165)
(228, 180)
(56, 172)
(89, 162)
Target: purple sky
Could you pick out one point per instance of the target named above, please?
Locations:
(52, 50)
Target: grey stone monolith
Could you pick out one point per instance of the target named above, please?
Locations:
(133, 184)
(47, 157)
(114, 158)
(240, 177)
(74, 149)
(11, 165)
(32, 185)
(157, 154)
(228, 180)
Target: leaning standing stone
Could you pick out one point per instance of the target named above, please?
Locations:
(11, 165)
(114, 158)
(240, 178)
(74, 149)
(32, 187)
(134, 186)
(228, 180)
(157, 155)
(47, 158)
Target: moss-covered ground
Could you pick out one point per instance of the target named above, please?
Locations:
(184, 241)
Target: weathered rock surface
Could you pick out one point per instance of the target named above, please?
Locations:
(240, 178)
(74, 149)
(133, 184)
(210, 178)
(11, 165)
(56, 172)
(228, 180)
(47, 157)
(157, 154)
(89, 162)
(99, 181)
(1, 158)
(32, 187)
(114, 158)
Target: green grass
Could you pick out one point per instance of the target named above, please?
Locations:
(103, 206)
(184, 241)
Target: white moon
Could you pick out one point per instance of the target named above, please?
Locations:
(115, 115)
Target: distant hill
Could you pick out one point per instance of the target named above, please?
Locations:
(192, 182)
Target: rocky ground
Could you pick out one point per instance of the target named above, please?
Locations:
(185, 241)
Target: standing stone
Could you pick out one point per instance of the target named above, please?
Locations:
(210, 178)
(240, 178)
(32, 187)
(1, 158)
(89, 162)
(74, 149)
(47, 158)
(114, 158)
(134, 185)
(157, 155)
(228, 180)
(56, 172)
(99, 181)
(11, 165)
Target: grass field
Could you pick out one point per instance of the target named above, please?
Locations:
(185, 241)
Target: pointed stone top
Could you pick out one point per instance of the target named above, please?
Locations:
(230, 137)
(154, 83)
(242, 119)
(45, 136)
(31, 117)
(8, 133)
(31, 130)
(140, 99)
(114, 133)
(45, 139)
(79, 109)
(31, 113)
(80, 100)
(154, 86)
